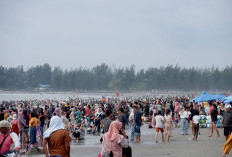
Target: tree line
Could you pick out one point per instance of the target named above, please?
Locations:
(105, 77)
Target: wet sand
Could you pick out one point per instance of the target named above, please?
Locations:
(179, 146)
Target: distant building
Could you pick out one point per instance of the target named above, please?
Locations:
(43, 87)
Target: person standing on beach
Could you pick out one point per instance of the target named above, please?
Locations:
(214, 119)
(122, 117)
(168, 125)
(159, 124)
(22, 124)
(32, 131)
(227, 120)
(107, 120)
(57, 138)
(193, 112)
(137, 123)
(131, 121)
(196, 123)
(184, 115)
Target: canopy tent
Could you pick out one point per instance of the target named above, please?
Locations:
(203, 97)
(220, 97)
(228, 99)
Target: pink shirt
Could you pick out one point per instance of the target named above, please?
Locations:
(11, 138)
(115, 146)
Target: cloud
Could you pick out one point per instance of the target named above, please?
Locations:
(145, 33)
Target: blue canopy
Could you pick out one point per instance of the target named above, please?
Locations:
(203, 97)
(220, 97)
(228, 99)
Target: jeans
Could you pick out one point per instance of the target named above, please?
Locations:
(41, 129)
(21, 134)
(33, 135)
(184, 126)
(132, 132)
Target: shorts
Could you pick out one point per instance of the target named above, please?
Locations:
(227, 130)
(137, 131)
(160, 129)
(214, 122)
(26, 129)
(76, 134)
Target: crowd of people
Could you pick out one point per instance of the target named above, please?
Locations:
(54, 124)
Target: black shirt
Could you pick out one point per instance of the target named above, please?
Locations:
(42, 120)
(1, 116)
(214, 114)
(193, 112)
(122, 119)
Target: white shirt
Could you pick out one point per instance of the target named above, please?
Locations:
(159, 121)
(184, 114)
(196, 119)
(15, 139)
(131, 117)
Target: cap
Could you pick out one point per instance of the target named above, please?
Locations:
(4, 124)
(14, 116)
(227, 106)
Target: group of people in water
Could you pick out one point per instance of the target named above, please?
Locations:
(36, 124)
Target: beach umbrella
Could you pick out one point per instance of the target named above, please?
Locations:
(204, 97)
(220, 96)
(228, 99)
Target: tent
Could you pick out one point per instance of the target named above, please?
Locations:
(203, 97)
(228, 99)
(220, 96)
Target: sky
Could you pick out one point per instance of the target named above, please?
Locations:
(146, 33)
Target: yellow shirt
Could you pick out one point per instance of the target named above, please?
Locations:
(33, 122)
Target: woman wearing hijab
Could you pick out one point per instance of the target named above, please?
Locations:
(22, 124)
(65, 122)
(114, 141)
(15, 124)
(57, 138)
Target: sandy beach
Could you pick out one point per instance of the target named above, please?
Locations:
(179, 146)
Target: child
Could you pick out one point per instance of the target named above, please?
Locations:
(168, 125)
(196, 123)
(90, 130)
(176, 120)
(76, 132)
(159, 119)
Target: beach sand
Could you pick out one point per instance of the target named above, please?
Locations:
(179, 146)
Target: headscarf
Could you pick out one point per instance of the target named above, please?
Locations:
(113, 131)
(55, 124)
(21, 119)
(65, 121)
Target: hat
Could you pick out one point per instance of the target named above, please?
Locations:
(4, 124)
(227, 106)
(14, 116)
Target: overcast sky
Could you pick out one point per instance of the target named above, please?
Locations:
(74, 33)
